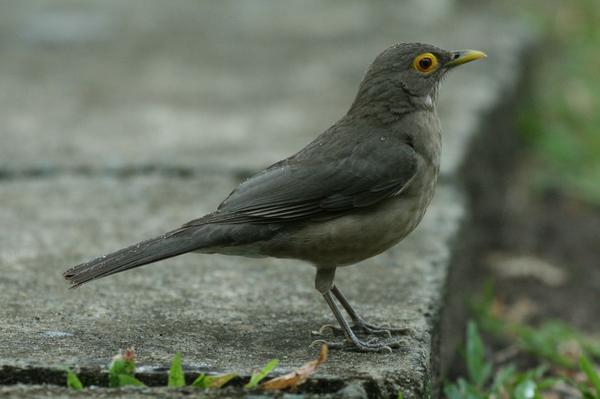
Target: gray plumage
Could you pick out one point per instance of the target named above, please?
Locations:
(356, 190)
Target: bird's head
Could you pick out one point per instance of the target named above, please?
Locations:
(411, 71)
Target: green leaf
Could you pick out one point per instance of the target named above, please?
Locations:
(200, 381)
(122, 364)
(219, 380)
(546, 341)
(208, 381)
(125, 379)
(588, 368)
(526, 390)
(452, 392)
(478, 369)
(502, 378)
(548, 383)
(176, 376)
(463, 390)
(257, 378)
(73, 381)
(400, 395)
(117, 367)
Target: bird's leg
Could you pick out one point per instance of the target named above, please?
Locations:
(324, 283)
(359, 322)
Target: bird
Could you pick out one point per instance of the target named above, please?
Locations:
(356, 190)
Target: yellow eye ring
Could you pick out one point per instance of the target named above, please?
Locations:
(425, 63)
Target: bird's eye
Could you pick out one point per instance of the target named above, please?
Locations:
(425, 63)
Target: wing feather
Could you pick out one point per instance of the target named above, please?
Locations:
(320, 184)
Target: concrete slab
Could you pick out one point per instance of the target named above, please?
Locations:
(223, 313)
(54, 392)
(113, 85)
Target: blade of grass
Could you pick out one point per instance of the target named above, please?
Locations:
(478, 369)
(503, 376)
(176, 376)
(125, 380)
(463, 390)
(73, 381)
(257, 378)
(588, 368)
(208, 381)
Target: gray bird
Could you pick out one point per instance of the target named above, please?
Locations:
(355, 191)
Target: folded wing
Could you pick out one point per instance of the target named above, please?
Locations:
(309, 187)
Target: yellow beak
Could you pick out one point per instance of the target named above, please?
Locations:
(464, 56)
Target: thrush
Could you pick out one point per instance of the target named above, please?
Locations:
(353, 192)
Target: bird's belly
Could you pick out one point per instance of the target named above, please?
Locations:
(351, 238)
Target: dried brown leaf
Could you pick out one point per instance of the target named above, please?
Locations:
(295, 378)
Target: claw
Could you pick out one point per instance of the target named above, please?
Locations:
(386, 332)
(328, 327)
(370, 330)
(372, 345)
(359, 327)
(375, 329)
(323, 330)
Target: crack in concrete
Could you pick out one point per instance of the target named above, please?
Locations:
(11, 375)
(126, 172)
(130, 172)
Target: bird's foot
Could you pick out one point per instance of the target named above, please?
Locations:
(363, 327)
(372, 345)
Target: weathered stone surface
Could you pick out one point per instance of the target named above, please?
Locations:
(109, 85)
(122, 120)
(223, 313)
(50, 391)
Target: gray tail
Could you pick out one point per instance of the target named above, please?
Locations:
(166, 246)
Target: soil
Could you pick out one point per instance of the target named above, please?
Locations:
(539, 247)
(546, 255)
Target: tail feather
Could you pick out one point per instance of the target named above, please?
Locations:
(149, 251)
